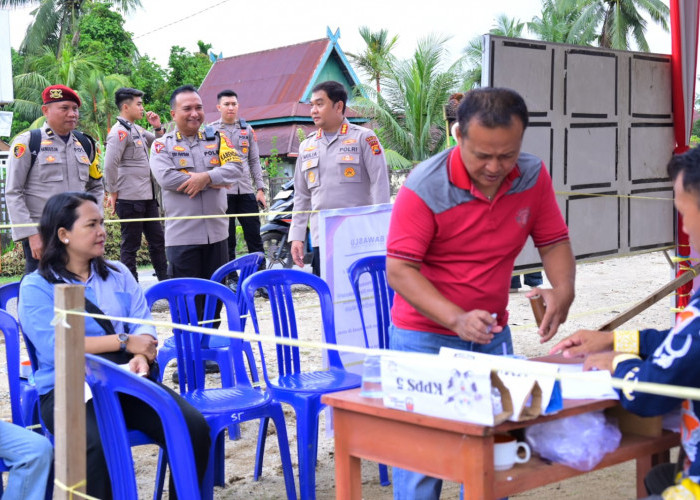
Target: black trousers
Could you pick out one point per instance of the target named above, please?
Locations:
(243, 204)
(138, 416)
(198, 261)
(30, 263)
(131, 235)
(316, 262)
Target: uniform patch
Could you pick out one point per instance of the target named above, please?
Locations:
(158, 146)
(139, 142)
(244, 142)
(183, 162)
(244, 151)
(244, 131)
(179, 148)
(310, 148)
(210, 146)
(56, 94)
(46, 142)
(19, 150)
(215, 161)
(344, 129)
(84, 159)
(374, 145)
(347, 158)
(349, 141)
(349, 172)
(308, 164)
(51, 159)
(122, 135)
(319, 134)
(312, 177)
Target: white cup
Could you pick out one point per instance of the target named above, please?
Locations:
(506, 452)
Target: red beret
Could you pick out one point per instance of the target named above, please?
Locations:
(58, 93)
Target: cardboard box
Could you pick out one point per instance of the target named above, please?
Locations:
(629, 423)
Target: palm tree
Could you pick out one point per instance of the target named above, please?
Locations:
(556, 22)
(377, 56)
(56, 21)
(410, 109)
(503, 26)
(620, 20)
(99, 110)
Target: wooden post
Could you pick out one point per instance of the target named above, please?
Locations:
(69, 408)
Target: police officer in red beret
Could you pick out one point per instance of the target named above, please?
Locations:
(60, 159)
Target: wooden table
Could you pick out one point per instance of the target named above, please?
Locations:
(460, 451)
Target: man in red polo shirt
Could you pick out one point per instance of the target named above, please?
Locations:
(458, 223)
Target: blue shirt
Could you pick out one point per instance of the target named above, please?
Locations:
(118, 295)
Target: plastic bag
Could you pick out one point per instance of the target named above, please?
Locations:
(580, 441)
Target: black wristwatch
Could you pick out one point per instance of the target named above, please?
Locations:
(159, 128)
(123, 340)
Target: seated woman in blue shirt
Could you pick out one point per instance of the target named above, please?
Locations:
(73, 237)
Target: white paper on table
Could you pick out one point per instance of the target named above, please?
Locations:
(586, 385)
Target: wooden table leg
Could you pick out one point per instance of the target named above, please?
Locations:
(479, 475)
(348, 469)
(644, 465)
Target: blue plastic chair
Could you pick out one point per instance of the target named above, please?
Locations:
(10, 332)
(215, 347)
(220, 406)
(107, 380)
(29, 399)
(136, 438)
(301, 389)
(375, 266)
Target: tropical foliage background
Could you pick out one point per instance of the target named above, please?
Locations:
(83, 44)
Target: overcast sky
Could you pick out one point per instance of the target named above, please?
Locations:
(234, 27)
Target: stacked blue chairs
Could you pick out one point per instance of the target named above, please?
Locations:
(29, 399)
(220, 406)
(10, 332)
(215, 348)
(301, 389)
(107, 380)
(375, 266)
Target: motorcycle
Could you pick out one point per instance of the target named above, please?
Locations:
(276, 231)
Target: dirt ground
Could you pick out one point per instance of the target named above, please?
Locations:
(603, 288)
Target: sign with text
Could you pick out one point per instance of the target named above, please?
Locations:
(348, 234)
(444, 387)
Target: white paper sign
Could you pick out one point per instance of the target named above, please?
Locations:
(445, 388)
(518, 375)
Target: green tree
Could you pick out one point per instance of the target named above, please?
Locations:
(99, 111)
(619, 21)
(186, 68)
(102, 33)
(56, 22)
(376, 58)
(503, 26)
(410, 108)
(152, 79)
(555, 24)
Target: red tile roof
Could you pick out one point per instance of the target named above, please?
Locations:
(269, 83)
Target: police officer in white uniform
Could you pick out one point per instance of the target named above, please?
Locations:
(342, 165)
(193, 170)
(59, 164)
(248, 190)
(128, 181)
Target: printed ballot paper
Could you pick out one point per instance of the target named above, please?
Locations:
(445, 388)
